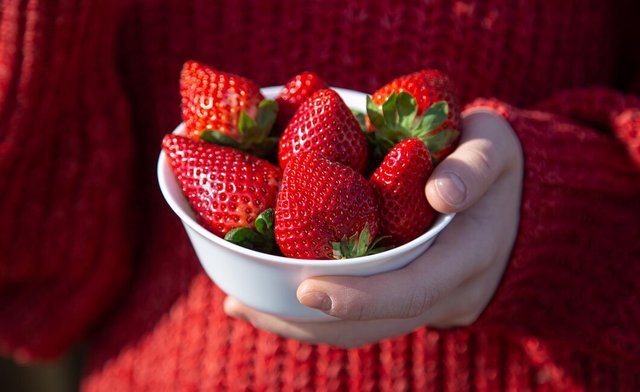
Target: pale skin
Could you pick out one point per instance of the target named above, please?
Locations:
(449, 285)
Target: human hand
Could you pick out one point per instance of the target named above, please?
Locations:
(451, 283)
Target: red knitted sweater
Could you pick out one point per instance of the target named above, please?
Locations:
(89, 250)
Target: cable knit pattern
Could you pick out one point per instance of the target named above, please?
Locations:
(565, 317)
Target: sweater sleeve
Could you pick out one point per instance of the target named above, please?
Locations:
(65, 181)
(574, 274)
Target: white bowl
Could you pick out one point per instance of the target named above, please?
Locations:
(268, 283)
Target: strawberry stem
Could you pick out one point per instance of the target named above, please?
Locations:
(397, 119)
(254, 133)
(261, 239)
(219, 138)
(361, 119)
(357, 245)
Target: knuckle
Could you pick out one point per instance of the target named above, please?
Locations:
(482, 159)
(419, 300)
(354, 309)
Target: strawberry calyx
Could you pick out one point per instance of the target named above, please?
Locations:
(357, 245)
(362, 119)
(397, 119)
(261, 238)
(254, 133)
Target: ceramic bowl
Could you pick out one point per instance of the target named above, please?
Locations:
(268, 283)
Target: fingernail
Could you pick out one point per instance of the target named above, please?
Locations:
(451, 188)
(316, 300)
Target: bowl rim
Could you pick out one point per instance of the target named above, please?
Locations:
(442, 220)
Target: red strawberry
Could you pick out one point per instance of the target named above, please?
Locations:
(294, 92)
(399, 183)
(225, 109)
(421, 105)
(227, 188)
(325, 124)
(322, 203)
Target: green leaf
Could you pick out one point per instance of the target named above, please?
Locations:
(247, 127)
(356, 245)
(265, 221)
(361, 119)
(266, 117)
(420, 133)
(379, 147)
(337, 250)
(263, 148)
(245, 237)
(434, 116)
(390, 112)
(253, 133)
(441, 140)
(407, 109)
(219, 138)
(261, 239)
(375, 114)
(374, 249)
(363, 241)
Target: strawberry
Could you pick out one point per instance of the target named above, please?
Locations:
(325, 124)
(321, 206)
(226, 187)
(399, 183)
(421, 105)
(226, 109)
(294, 92)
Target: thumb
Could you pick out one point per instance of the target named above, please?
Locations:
(488, 148)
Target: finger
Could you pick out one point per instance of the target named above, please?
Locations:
(488, 147)
(410, 291)
(321, 332)
(344, 334)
